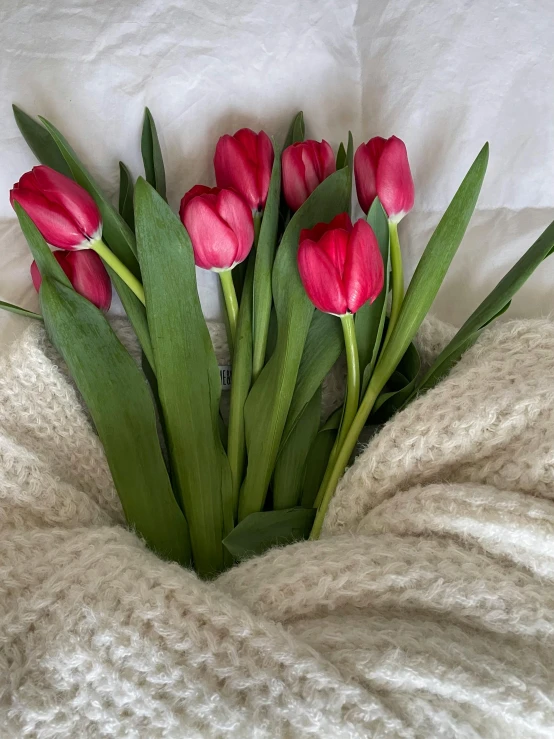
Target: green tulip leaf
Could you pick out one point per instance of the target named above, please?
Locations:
(20, 311)
(264, 257)
(152, 155)
(432, 269)
(324, 345)
(318, 457)
(370, 319)
(341, 157)
(268, 403)
(261, 531)
(296, 132)
(119, 401)
(291, 462)
(40, 142)
(398, 388)
(188, 377)
(494, 305)
(126, 188)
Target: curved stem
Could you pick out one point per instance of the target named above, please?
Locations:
(397, 279)
(351, 402)
(119, 268)
(344, 454)
(353, 376)
(231, 303)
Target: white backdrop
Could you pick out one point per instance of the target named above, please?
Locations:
(445, 75)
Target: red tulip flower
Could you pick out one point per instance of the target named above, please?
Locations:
(87, 274)
(243, 162)
(340, 265)
(382, 170)
(305, 166)
(64, 213)
(220, 226)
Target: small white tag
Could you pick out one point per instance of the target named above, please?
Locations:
(225, 376)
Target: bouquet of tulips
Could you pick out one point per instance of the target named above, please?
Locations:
(302, 283)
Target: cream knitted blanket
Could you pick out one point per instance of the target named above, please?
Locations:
(427, 610)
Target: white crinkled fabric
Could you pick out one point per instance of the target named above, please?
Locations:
(427, 610)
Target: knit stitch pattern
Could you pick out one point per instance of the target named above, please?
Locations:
(425, 611)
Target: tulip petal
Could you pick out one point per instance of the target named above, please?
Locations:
(395, 185)
(234, 170)
(52, 220)
(327, 160)
(334, 244)
(89, 277)
(66, 193)
(320, 279)
(314, 234)
(248, 139)
(266, 155)
(195, 192)
(213, 241)
(236, 213)
(294, 186)
(313, 171)
(363, 272)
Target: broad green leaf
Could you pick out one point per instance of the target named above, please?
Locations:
(261, 531)
(240, 386)
(398, 388)
(324, 345)
(40, 142)
(118, 400)
(318, 457)
(126, 188)
(265, 254)
(188, 376)
(152, 155)
(350, 154)
(269, 400)
(116, 233)
(291, 462)
(494, 305)
(432, 268)
(296, 132)
(370, 319)
(21, 311)
(341, 156)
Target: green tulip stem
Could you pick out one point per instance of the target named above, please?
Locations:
(352, 395)
(353, 376)
(118, 267)
(342, 458)
(397, 278)
(231, 304)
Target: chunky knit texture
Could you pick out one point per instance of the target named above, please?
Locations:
(426, 610)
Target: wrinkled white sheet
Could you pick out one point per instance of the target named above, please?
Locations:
(445, 75)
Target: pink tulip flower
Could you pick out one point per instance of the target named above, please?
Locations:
(340, 265)
(243, 162)
(382, 170)
(64, 213)
(87, 274)
(305, 166)
(220, 226)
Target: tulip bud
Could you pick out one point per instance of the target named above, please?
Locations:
(305, 165)
(64, 213)
(382, 170)
(87, 274)
(243, 163)
(220, 226)
(340, 265)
